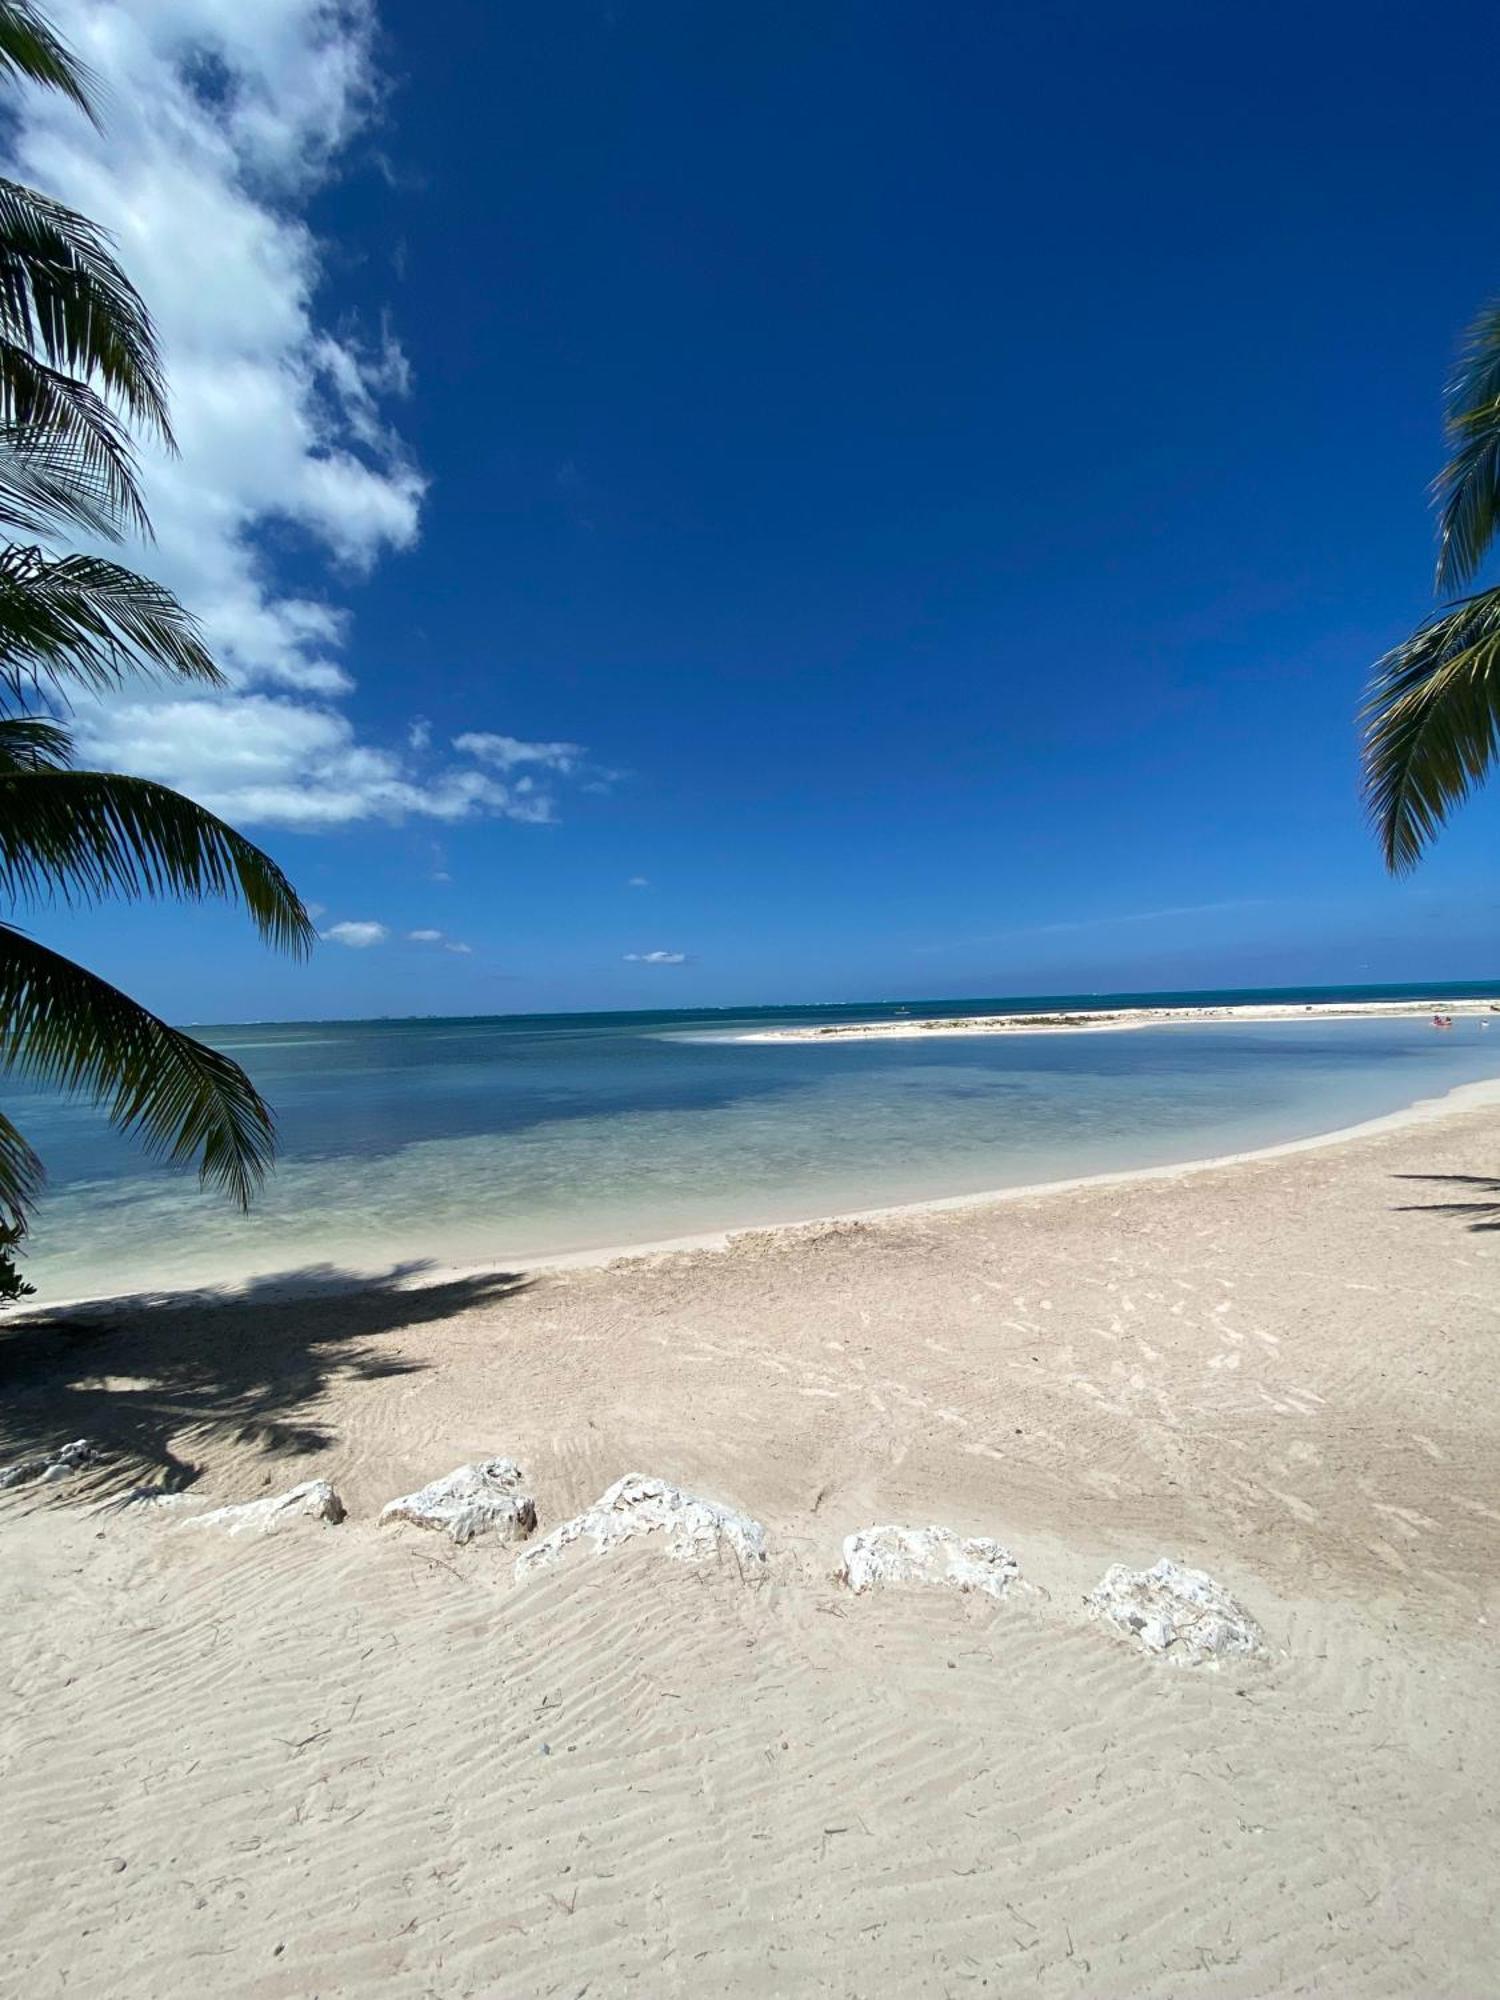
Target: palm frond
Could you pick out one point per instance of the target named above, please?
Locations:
(21, 1177)
(59, 430)
(31, 48)
(1467, 489)
(48, 485)
(33, 743)
(1432, 716)
(94, 834)
(64, 296)
(84, 619)
(74, 334)
(62, 1025)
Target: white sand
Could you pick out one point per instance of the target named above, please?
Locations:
(1086, 1020)
(347, 1761)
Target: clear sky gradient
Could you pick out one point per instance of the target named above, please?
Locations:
(899, 500)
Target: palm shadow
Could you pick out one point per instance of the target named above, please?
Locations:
(147, 1377)
(1482, 1214)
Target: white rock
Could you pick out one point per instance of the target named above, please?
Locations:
(59, 1464)
(696, 1530)
(480, 1499)
(875, 1556)
(313, 1500)
(1179, 1614)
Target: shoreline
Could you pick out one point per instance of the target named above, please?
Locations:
(1464, 1097)
(1106, 1020)
(229, 1291)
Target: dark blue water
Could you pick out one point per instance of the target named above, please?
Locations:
(494, 1140)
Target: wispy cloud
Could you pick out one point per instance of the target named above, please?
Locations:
(271, 760)
(442, 938)
(507, 753)
(1157, 916)
(357, 936)
(1068, 925)
(638, 882)
(656, 958)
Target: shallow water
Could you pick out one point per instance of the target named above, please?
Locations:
(504, 1140)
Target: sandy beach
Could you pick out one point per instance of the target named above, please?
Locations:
(355, 1760)
(1097, 1020)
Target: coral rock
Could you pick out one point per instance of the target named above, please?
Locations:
(480, 1499)
(695, 1530)
(313, 1500)
(892, 1555)
(1178, 1614)
(59, 1464)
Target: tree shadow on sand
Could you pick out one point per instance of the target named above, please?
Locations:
(1480, 1214)
(147, 1377)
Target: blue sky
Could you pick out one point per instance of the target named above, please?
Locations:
(805, 502)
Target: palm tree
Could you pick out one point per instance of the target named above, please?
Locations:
(1432, 711)
(79, 364)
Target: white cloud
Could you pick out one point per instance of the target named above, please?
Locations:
(656, 958)
(506, 752)
(268, 759)
(358, 936)
(224, 117)
(638, 882)
(439, 937)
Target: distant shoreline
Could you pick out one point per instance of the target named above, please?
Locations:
(1110, 1020)
(941, 1006)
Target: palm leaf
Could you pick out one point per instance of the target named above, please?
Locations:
(64, 296)
(96, 834)
(33, 743)
(31, 48)
(48, 484)
(64, 1026)
(21, 1177)
(1468, 487)
(82, 618)
(74, 333)
(1432, 718)
(59, 432)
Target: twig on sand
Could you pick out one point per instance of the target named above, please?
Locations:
(316, 1737)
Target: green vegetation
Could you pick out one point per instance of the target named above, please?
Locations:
(79, 365)
(1433, 709)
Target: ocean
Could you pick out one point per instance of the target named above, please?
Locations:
(494, 1141)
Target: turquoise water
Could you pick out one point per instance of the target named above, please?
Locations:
(494, 1141)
